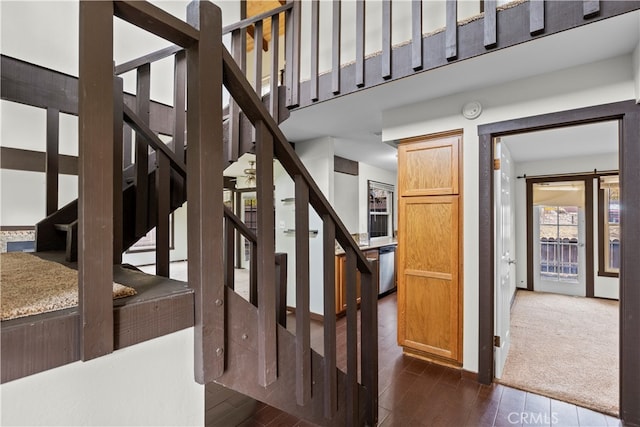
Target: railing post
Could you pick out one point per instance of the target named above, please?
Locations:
(330, 373)
(163, 210)
(490, 26)
(360, 36)
(52, 159)
(95, 193)
(118, 134)
(315, 43)
(369, 343)
(416, 35)
(353, 400)
(536, 16)
(292, 53)
(143, 105)
(303, 340)
(205, 189)
(335, 48)
(274, 100)
(267, 338)
(451, 31)
(385, 63)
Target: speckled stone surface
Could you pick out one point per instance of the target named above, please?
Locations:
(31, 285)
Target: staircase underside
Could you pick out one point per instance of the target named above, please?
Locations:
(242, 367)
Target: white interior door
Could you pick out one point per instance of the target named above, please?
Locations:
(504, 257)
(559, 236)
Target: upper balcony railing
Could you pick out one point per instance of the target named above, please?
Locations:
(335, 48)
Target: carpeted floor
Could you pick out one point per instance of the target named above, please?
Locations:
(566, 348)
(31, 285)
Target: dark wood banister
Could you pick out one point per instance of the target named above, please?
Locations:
(241, 90)
(147, 59)
(250, 21)
(139, 126)
(240, 225)
(171, 50)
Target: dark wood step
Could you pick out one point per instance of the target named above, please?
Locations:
(71, 248)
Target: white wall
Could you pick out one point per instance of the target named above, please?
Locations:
(346, 200)
(603, 286)
(148, 384)
(591, 84)
(317, 156)
(636, 70)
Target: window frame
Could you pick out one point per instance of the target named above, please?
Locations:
(603, 228)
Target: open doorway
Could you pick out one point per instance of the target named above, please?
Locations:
(545, 207)
(626, 115)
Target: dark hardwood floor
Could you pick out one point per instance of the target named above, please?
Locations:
(418, 393)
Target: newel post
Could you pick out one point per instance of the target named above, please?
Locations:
(95, 192)
(205, 236)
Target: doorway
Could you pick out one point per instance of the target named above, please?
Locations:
(558, 244)
(628, 116)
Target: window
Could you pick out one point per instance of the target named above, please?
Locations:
(609, 226)
(380, 209)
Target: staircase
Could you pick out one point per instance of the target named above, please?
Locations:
(243, 345)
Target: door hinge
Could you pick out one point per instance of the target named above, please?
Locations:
(496, 341)
(496, 164)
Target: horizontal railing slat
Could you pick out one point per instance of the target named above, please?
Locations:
(155, 20)
(147, 59)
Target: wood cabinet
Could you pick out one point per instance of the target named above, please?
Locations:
(429, 248)
(341, 279)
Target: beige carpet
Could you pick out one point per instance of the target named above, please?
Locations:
(31, 285)
(566, 348)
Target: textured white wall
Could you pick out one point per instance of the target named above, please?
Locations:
(636, 69)
(598, 83)
(346, 200)
(148, 384)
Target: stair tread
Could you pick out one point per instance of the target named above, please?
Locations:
(65, 227)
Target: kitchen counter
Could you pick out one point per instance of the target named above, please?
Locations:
(378, 243)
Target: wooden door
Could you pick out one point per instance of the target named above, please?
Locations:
(428, 297)
(429, 242)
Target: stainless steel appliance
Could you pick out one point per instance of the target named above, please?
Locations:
(387, 270)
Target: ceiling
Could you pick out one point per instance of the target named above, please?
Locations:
(357, 118)
(591, 139)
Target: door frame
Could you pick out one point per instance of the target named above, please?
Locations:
(627, 113)
(588, 215)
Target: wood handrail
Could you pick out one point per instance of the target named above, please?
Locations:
(243, 93)
(142, 128)
(240, 225)
(250, 21)
(147, 59)
(155, 20)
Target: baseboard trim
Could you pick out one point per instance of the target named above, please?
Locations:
(313, 316)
